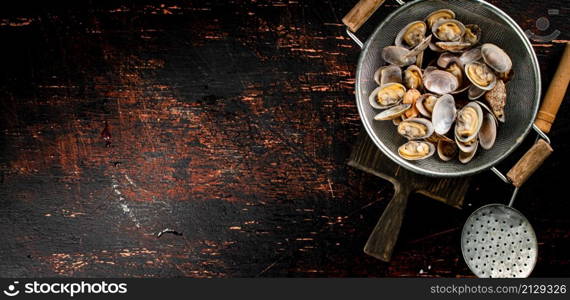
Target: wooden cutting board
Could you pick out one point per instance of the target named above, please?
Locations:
(367, 157)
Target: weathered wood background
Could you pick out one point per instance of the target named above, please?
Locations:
(231, 122)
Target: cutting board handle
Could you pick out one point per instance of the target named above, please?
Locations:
(534, 157)
(383, 238)
(360, 13)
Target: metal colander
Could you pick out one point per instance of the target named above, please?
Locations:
(523, 90)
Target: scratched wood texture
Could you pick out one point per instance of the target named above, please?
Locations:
(230, 123)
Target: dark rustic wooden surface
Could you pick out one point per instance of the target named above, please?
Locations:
(230, 123)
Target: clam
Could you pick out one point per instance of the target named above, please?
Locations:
(469, 56)
(475, 92)
(448, 30)
(472, 34)
(388, 74)
(416, 150)
(456, 70)
(393, 113)
(446, 148)
(469, 121)
(480, 75)
(465, 157)
(443, 114)
(410, 97)
(488, 131)
(413, 77)
(398, 56)
(415, 128)
(412, 34)
(397, 121)
(425, 104)
(440, 82)
(486, 109)
(429, 69)
(506, 76)
(468, 146)
(455, 47)
(435, 48)
(497, 99)
(387, 95)
(445, 59)
(419, 49)
(437, 15)
(496, 58)
(420, 59)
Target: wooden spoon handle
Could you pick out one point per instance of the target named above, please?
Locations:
(555, 93)
(383, 238)
(358, 15)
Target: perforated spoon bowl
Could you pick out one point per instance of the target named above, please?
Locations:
(498, 241)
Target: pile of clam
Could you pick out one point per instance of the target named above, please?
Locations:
(454, 105)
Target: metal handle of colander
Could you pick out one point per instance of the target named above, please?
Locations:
(538, 153)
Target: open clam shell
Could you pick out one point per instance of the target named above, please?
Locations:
(440, 82)
(455, 47)
(488, 131)
(496, 58)
(444, 113)
(416, 150)
(446, 148)
(486, 109)
(392, 113)
(457, 71)
(481, 75)
(448, 30)
(413, 77)
(419, 49)
(412, 34)
(387, 95)
(425, 104)
(471, 55)
(469, 121)
(437, 15)
(446, 59)
(435, 48)
(388, 74)
(472, 34)
(475, 93)
(415, 128)
(468, 146)
(399, 56)
(465, 157)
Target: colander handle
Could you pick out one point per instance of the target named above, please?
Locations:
(360, 13)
